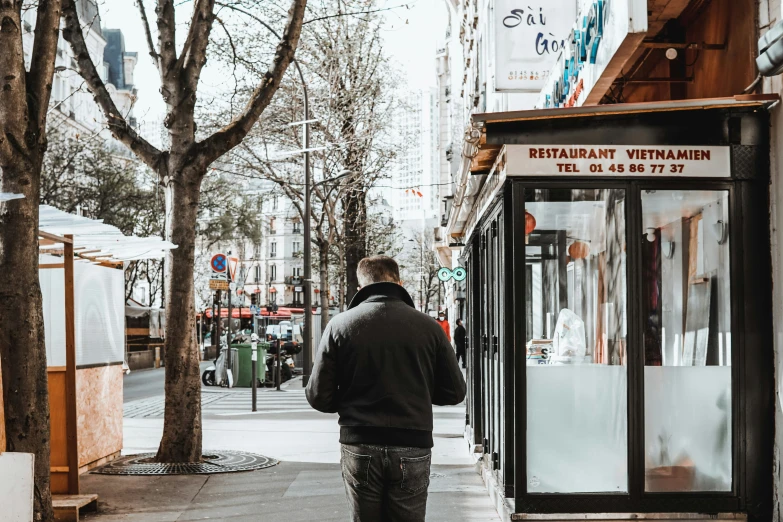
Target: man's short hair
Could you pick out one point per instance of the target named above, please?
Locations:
(377, 269)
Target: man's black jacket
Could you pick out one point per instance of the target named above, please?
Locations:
(460, 336)
(382, 365)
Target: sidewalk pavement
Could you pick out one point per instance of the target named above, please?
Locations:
(306, 485)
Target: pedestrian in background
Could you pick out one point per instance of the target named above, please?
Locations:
(381, 366)
(460, 340)
(444, 323)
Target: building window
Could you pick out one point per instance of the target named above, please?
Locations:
(272, 229)
(274, 203)
(297, 271)
(297, 246)
(297, 227)
(298, 298)
(273, 272)
(273, 249)
(257, 273)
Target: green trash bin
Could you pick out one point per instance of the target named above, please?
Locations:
(243, 376)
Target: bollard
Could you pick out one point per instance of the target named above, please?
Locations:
(157, 357)
(254, 362)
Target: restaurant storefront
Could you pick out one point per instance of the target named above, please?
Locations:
(619, 309)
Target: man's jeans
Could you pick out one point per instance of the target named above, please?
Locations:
(386, 483)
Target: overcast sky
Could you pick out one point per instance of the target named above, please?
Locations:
(412, 30)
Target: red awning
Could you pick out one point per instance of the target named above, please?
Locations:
(244, 313)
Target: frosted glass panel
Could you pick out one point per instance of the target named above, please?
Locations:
(576, 345)
(687, 428)
(53, 294)
(99, 301)
(576, 432)
(686, 300)
(99, 297)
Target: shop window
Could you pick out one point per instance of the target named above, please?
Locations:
(577, 385)
(686, 296)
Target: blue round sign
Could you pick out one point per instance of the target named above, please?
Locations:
(219, 263)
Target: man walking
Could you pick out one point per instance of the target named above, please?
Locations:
(381, 366)
(460, 339)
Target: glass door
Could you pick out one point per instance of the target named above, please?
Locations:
(686, 307)
(576, 352)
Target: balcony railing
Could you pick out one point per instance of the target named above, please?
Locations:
(293, 280)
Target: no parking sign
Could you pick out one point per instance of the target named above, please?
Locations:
(219, 263)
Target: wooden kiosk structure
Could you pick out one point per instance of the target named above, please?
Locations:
(83, 285)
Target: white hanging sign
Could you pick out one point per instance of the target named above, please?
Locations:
(618, 161)
(529, 36)
(603, 37)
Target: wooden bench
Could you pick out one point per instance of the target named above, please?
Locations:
(67, 507)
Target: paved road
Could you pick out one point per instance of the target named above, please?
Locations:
(141, 384)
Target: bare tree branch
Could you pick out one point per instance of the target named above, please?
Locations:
(167, 32)
(39, 79)
(117, 123)
(148, 33)
(233, 62)
(194, 52)
(355, 13)
(232, 134)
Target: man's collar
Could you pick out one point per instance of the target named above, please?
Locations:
(385, 289)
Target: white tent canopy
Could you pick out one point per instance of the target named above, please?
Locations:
(96, 240)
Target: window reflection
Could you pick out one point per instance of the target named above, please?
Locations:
(576, 341)
(687, 340)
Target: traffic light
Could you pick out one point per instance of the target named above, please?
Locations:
(253, 299)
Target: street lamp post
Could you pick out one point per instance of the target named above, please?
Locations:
(307, 282)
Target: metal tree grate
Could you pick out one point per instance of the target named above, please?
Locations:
(214, 462)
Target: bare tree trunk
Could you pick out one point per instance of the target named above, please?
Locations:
(323, 274)
(24, 99)
(22, 347)
(181, 170)
(355, 237)
(341, 290)
(181, 440)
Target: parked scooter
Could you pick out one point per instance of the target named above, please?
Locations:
(287, 346)
(218, 374)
